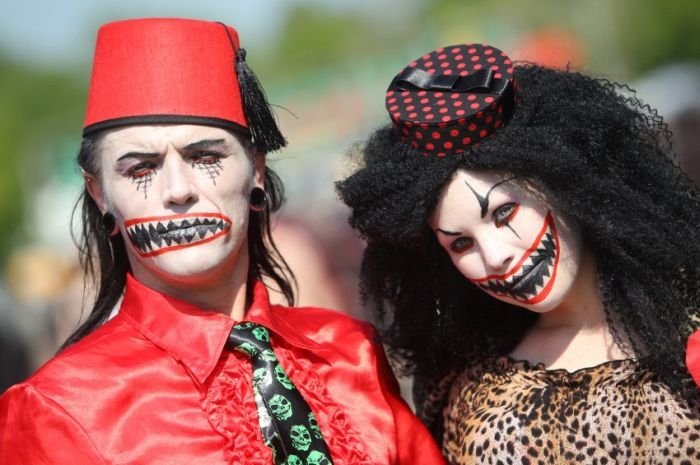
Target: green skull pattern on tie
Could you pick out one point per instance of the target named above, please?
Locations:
(287, 423)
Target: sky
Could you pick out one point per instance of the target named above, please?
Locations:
(54, 33)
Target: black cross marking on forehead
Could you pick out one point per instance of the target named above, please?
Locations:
(484, 200)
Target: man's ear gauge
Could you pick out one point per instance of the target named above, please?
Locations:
(109, 224)
(258, 199)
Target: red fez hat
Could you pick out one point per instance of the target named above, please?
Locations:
(176, 71)
(452, 98)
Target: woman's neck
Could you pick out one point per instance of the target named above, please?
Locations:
(582, 308)
(577, 333)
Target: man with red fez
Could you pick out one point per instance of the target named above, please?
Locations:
(197, 367)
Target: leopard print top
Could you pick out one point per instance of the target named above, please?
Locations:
(503, 411)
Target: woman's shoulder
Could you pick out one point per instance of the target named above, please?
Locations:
(503, 379)
(504, 369)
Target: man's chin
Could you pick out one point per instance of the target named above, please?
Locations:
(188, 269)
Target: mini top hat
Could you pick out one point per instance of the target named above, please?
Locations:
(452, 98)
(177, 71)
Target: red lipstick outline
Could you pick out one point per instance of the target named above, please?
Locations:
(171, 248)
(548, 223)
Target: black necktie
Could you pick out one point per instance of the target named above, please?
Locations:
(288, 425)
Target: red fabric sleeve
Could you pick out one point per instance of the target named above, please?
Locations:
(36, 430)
(692, 356)
(414, 444)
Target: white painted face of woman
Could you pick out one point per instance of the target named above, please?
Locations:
(506, 240)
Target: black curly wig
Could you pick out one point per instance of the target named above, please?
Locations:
(597, 154)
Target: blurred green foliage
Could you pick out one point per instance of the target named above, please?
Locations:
(38, 107)
(313, 36)
(623, 38)
(317, 45)
(653, 33)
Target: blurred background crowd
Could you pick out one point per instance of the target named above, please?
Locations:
(325, 65)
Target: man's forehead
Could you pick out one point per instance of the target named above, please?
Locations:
(159, 137)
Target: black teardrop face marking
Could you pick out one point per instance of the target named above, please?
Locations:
(513, 230)
(155, 236)
(211, 169)
(143, 183)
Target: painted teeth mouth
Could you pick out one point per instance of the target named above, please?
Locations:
(538, 271)
(159, 235)
(533, 275)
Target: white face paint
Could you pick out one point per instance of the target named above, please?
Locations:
(180, 194)
(506, 241)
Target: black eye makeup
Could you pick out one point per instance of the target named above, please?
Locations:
(503, 215)
(461, 244)
(209, 162)
(141, 174)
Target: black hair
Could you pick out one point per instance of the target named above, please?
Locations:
(105, 262)
(596, 153)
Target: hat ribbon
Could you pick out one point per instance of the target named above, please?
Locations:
(482, 81)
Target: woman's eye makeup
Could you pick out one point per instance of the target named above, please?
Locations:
(461, 244)
(505, 213)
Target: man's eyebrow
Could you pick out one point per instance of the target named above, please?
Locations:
(448, 233)
(139, 155)
(204, 144)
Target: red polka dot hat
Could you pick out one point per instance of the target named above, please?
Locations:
(452, 98)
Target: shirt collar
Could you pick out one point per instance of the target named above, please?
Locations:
(196, 337)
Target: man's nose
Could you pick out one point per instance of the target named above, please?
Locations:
(178, 181)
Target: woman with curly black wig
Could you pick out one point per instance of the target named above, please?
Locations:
(533, 249)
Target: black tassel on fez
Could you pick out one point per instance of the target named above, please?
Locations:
(261, 121)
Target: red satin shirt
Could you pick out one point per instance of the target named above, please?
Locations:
(155, 385)
(692, 356)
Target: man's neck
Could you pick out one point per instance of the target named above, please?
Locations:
(223, 290)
